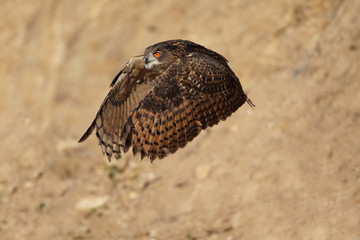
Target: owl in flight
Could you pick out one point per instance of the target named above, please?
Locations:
(161, 100)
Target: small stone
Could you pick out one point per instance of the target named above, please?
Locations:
(234, 128)
(90, 203)
(203, 171)
(28, 184)
(150, 176)
(153, 233)
(133, 195)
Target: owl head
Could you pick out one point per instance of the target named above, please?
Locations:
(161, 55)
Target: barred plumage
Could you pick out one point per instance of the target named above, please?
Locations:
(161, 100)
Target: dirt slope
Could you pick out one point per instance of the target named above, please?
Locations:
(287, 169)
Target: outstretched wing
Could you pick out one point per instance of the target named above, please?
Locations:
(193, 93)
(129, 87)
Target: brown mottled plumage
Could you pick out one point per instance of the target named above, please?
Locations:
(161, 100)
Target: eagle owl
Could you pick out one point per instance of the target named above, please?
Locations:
(161, 100)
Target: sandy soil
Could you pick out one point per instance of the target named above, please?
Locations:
(288, 169)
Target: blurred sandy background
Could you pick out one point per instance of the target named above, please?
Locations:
(288, 169)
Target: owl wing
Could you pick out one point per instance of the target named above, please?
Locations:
(194, 93)
(129, 87)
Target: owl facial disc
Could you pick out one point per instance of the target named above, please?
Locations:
(150, 61)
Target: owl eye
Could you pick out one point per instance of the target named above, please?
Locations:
(157, 54)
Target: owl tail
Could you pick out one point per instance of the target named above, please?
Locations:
(251, 104)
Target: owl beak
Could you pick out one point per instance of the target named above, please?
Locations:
(146, 60)
(150, 61)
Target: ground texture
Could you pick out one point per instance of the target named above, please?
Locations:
(287, 169)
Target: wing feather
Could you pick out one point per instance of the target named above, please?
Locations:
(154, 138)
(163, 143)
(128, 88)
(145, 140)
(180, 128)
(194, 126)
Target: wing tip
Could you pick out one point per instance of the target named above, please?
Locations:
(87, 133)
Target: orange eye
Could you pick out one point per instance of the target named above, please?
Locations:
(157, 54)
